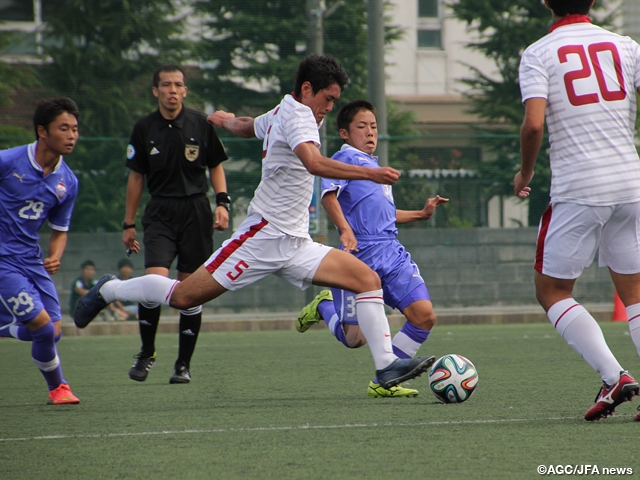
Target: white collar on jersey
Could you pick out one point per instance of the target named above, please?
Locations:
(31, 151)
(346, 146)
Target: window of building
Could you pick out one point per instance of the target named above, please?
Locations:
(16, 11)
(428, 8)
(429, 38)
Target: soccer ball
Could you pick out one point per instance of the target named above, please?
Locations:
(453, 378)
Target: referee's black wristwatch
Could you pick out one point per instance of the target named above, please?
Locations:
(126, 225)
(223, 200)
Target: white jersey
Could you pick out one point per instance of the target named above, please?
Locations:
(284, 193)
(589, 77)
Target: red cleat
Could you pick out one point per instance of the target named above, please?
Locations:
(637, 417)
(610, 396)
(62, 396)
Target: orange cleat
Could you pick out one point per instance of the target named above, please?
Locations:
(62, 396)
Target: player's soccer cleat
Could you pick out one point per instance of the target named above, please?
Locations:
(91, 304)
(180, 374)
(403, 369)
(637, 417)
(62, 396)
(375, 390)
(309, 315)
(141, 368)
(610, 396)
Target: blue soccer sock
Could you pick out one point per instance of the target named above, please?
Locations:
(328, 313)
(19, 332)
(45, 355)
(408, 340)
(326, 309)
(22, 333)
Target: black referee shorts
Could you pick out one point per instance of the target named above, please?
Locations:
(182, 227)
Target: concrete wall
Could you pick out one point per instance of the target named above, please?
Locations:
(462, 267)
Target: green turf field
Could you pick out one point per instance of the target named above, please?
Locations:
(281, 405)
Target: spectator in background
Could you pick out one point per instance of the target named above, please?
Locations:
(82, 284)
(125, 269)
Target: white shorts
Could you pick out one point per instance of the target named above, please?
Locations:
(570, 235)
(258, 249)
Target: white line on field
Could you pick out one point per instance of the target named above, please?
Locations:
(293, 427)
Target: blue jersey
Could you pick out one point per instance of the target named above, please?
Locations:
(27, 199)
(369, 209)
(367, 206)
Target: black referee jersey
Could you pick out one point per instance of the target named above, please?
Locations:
(175, 154)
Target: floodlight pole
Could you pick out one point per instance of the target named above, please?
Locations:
(376, 76)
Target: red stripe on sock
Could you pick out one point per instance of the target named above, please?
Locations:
(542, 234)
(168, 297)
(234, 245)
(633, 318)
(564, 313)
(359, 299)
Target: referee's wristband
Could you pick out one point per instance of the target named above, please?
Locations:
(223, 198)
(126, 226)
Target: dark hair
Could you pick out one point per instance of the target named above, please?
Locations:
(87, 263)
(166, 68)
(346, 113)
(48, 110)
(124, 262)
(321, 71)
(563, 8)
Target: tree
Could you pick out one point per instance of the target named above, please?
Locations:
(249, 52)
(505, 28)
(102, 55)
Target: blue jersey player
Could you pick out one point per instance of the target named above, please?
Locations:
(36, 185)
(366, 218)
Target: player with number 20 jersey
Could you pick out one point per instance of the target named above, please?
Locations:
(583, 80)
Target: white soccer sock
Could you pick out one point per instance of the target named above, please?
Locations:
(633, 314)
(146, 289)
(583, 333)
(375, 327)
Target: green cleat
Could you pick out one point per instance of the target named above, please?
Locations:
(309, 315)
(376, 390)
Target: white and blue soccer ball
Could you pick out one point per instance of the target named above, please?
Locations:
(453, 378)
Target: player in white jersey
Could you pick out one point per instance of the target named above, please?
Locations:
(584, 79)
(274, 238)
(36, 185)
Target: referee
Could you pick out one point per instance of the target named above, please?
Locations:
(173, 147)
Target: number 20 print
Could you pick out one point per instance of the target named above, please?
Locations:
(587, 61)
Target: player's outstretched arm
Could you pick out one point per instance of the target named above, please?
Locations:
(325, 167)
(407, 216)
(336, 215)
(531, 134)
(239, 126)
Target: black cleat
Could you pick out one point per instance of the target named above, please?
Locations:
(403, 369)
(180, 374)
(91, 304)
(141, 368)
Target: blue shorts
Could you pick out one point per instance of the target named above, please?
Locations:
(401, 281)
(25, 290)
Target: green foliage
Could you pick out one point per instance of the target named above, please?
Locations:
(249, 52)
(102, 54)
(505, 28)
